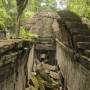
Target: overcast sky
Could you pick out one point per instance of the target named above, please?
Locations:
(61, 4)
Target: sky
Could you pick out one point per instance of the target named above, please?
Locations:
(61, 4)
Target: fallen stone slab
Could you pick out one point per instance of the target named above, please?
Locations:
(83, 45)
(81, 38)
(54, 75)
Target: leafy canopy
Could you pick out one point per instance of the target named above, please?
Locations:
(81, 7)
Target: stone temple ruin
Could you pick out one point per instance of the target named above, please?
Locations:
(58, 59)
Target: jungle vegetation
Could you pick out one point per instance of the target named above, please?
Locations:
(81, 7)
(12, 12)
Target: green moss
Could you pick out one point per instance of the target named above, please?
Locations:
(26, 34)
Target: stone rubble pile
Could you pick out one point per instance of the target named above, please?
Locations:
(46, 77)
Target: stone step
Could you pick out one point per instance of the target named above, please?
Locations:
(77, 25)
(83, 45)
(78, 31)
(87, 53)
(81, 38)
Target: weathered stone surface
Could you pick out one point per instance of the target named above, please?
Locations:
(73, 36)
(83, 45)
(6, 45)
(74, 62)
(54, 75)
(76, 75)
(77, 25)
(69, 16)
(44, 77)
(81, 38)
(77, 31)
(87, 53)
(13, 65)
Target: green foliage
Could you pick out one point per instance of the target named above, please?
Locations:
(8, 16)
(23, 32)
(4, 14)
(33, 3)
(27, 14)
(81, 7)
(3, 17)
(1, 25)
(26, 34)
(35, 81)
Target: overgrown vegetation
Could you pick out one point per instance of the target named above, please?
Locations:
(25, 34)
(8, 16)
(81, 7)
(12, 12)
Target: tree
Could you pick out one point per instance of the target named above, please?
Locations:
(21, 4)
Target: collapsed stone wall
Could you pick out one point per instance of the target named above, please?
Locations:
(13, 64)
(73, 46)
